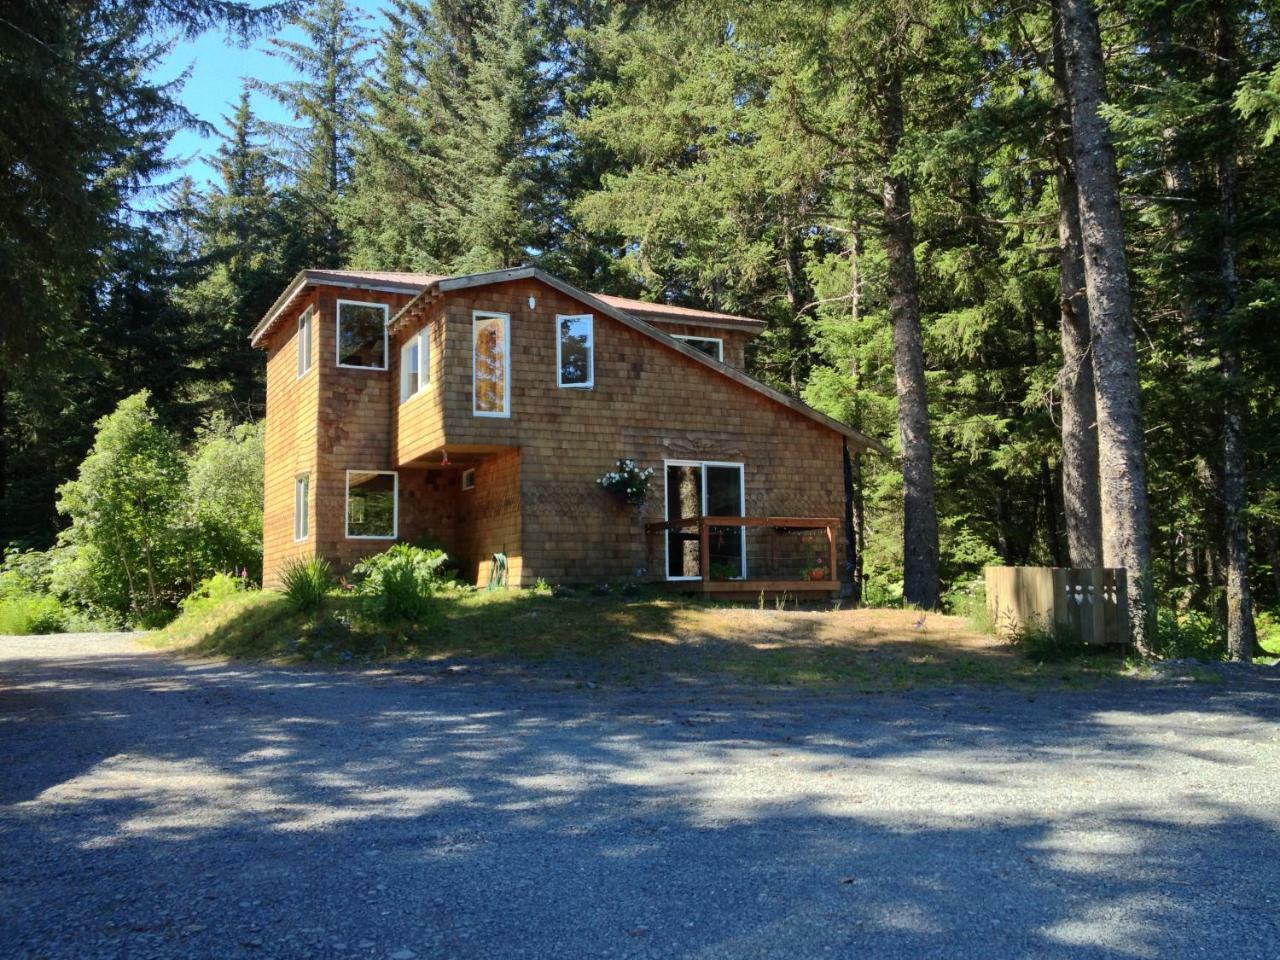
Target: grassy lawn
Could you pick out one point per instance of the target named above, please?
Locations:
(633, 640)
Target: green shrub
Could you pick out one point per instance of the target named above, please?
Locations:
(306, 583)
(1042, 640)
(968, 599)
(1268, 627)
(398, 583)
(212, 592)
(877, 593)
(26, 613)
(1189, 635)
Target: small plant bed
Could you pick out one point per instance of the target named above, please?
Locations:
(626, 639)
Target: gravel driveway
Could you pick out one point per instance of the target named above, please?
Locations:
(156, 807)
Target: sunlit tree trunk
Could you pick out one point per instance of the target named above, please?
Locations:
(920, 573)
(1081, 499)
(1241, 634)
(1126, 538)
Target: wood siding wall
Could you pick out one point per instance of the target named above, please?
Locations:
(649, 403)
(536, 498)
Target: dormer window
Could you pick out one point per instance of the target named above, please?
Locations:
(713, 347)
(362, 335)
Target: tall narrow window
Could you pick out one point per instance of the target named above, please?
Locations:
(301, 505)
(414, 365)
(575, 351)
(362, 335)
(372, 508)
(304, 341)
(490, 364)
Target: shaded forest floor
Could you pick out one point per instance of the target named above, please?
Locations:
(634, 641)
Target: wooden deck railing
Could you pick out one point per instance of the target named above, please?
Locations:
(705, 525)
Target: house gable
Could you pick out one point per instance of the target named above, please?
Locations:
(413, 312)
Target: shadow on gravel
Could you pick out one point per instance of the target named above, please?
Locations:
(192, 809)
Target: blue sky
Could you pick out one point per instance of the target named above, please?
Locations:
(218, 69)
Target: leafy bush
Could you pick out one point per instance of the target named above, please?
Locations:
(968, 598)
(399, 582)
(306, 583)
(1268, 625)
(224, 495)
(1189, 635)
(26, 613)
(878, 593)
(212, 592)
(1044, 641)
(148, 521)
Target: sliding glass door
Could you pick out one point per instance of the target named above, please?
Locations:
(704, 489)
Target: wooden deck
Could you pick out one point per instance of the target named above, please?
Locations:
(704, 582)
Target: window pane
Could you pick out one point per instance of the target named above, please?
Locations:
(424, 355)
(575, 350)
(708, 345)
(371, 504)
(490, 373)
(304, 343)
(361, 339)
(409, 370)
(300, 507)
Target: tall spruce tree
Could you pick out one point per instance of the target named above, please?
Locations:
(326, 100)
(1121, 440)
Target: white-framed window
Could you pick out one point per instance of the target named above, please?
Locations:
(704, 488)
(373, 504)
(362, 335)
(415, 365)
(490, 364)
(575, 350)
(304, 340)
(468, 479)
(301, 506)
(713, 347)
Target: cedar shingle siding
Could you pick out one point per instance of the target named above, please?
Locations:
(535, 497)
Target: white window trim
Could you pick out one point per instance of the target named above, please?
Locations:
(742, 508)
(591, 350)
(301, 518)
(718, 341)
(424, 365)
(337, 333)
(469, 472)
(476, 317)
(305, 322)
(395, 507)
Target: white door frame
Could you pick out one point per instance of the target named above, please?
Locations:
(742, 508)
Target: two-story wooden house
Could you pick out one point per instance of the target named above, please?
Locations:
(479, 412)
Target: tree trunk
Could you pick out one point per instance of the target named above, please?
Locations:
(852, 549)
(920, 584)
(1051, 505)
(1241, 634)
(1126, 537)
(1081, 499)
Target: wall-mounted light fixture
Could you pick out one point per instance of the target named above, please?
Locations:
(533, 302)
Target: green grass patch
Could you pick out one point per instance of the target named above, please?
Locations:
(628, 639)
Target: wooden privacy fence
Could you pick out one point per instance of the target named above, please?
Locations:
(1092, 601)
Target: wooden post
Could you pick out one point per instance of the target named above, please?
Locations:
(704, 550)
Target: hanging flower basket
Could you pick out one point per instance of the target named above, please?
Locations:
(628, 482)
